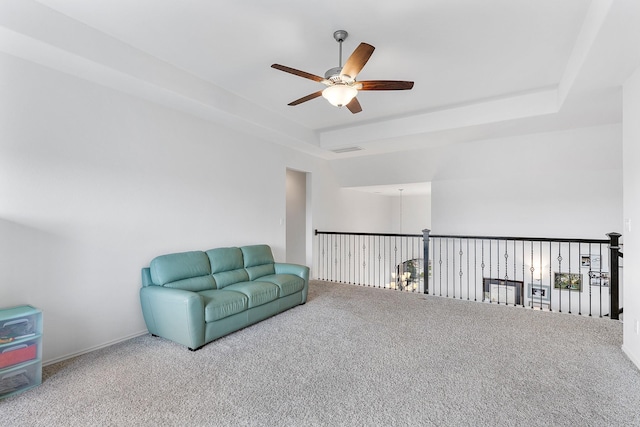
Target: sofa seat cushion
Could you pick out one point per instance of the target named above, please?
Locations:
(258, 292)
(219, 304)
(288, 283)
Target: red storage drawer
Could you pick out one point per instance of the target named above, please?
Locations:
(17, 354)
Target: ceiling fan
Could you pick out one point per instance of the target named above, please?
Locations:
(342, 87)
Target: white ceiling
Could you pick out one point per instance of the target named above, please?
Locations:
(482, 69)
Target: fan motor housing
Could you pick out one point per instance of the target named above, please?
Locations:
(333, 74)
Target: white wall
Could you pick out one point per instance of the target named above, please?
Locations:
(631, 249)
(357, 211)
(410, 214)
(95, 183)
(558, 184)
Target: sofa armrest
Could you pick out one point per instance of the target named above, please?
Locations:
(174, 314)
(146, 277)
(298, 270)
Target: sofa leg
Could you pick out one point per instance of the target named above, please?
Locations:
(195, 349)
(154, 335)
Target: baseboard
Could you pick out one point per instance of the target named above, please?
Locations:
(631, 357)
(94, 348)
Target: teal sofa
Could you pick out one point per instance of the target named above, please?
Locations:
(195, 297)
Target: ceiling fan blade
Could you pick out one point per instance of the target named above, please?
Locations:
(384, 85)
(306, 98)
(354, 106)
(356, 61)
(298, 73)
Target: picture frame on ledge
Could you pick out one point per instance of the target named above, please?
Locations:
(592, 262)
(599, 278)
(538, 293)
(568, 281)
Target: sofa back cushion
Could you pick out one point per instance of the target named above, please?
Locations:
(190, 271)
(227, 266)
(258, 260)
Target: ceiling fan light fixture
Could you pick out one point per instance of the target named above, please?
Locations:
(342, 87)
(339, 94)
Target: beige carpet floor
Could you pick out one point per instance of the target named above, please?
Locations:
(355, 356)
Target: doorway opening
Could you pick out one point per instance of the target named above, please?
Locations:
(297, 217)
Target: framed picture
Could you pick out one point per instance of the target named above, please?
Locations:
(599, 278)
(592, 262)
(570, 281)
(539, 293)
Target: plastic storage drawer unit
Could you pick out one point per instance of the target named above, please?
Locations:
(18, 353)
(20, 378)
(20, 349)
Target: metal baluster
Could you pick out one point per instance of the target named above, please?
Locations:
(497, 267)
(320, 257)
(349, 258)
(343, 258)
(468, 278)
(482, 266)
(406, 259)
(600, 282)
(570, 281)
(506, 272)
(514, 276)
(327, 256)
(541, 273)
(559, 271)
(531, 269)
(330, 258)
(590, 289)
(368, 258)
(440, 267)
(600, 291)
(322, 267)
(581, 279)
(336, 260)
(396, 270)
(376, 283)
(327, 259)
(380, 249)
(475, 269)
(523, 274)
(447, 265)
(383, 276)
(356, 257)
(379, 263)
(453, 267)
(339, 263)
(460, 273)
(551, 284)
